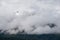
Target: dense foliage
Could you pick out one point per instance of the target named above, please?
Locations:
(29, 37)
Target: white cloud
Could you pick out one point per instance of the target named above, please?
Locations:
(32, 16)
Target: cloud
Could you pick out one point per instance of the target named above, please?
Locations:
(30, 16)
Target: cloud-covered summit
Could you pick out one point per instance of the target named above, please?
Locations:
(30, 16)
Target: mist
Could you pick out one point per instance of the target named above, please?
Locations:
(30, 16)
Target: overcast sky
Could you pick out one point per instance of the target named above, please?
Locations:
(30, 16)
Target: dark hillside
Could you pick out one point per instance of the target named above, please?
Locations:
(29, 37)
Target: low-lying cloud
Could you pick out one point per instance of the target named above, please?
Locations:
(30, 16)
